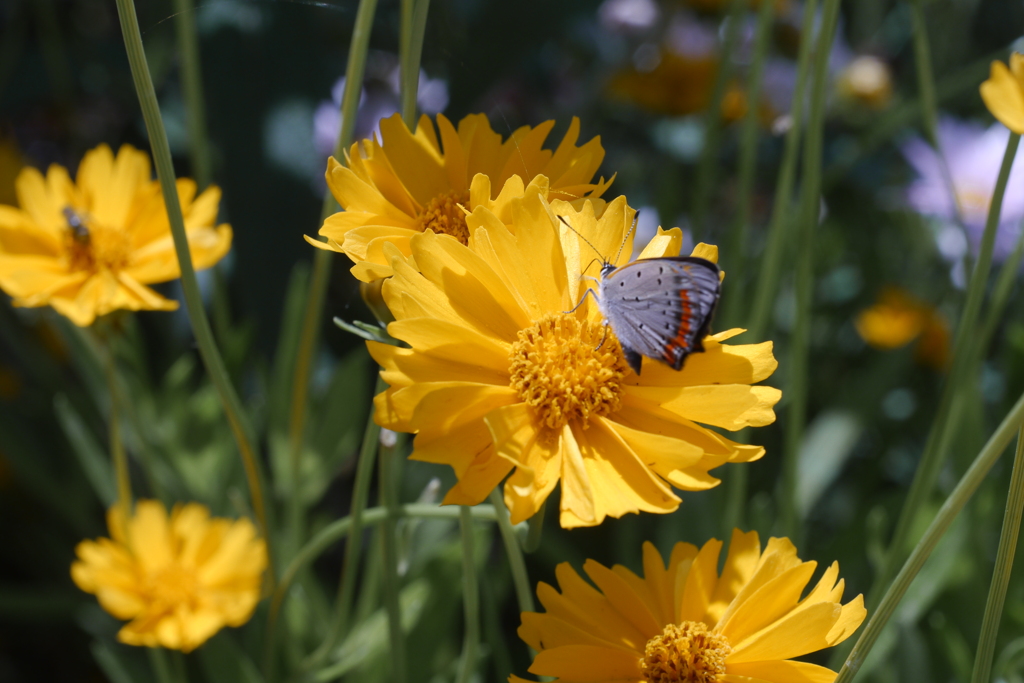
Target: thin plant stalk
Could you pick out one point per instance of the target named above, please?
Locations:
(338, 628)
(1004, 565)
(237, 418)
(342, 528)
(192, 89)
(929, 100)
(810, 202)
(1000, 295)
(470, 598)
(516, 561)
(165, 670)
(312, 316)
(736, 485)
(117, 452)
(388, 495)
(707, 164)
(945, 424)
(961, 494)
(413, 28)
(778, 229)
(749, 138)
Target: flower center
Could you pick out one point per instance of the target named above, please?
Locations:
(687, 653)
(444, 216)
(567, 370)
(91, 246)
(172, 587)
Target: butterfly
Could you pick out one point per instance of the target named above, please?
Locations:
(658, 307)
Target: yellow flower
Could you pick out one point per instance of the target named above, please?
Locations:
(678, 85)
(179, 579)
(500, 378)
(897, 319)
(407, 183)
(1003, 92)
(89, 247)
(690, 623)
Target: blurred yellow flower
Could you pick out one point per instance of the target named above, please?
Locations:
(689, 623)
(500, 378)
(899, 318)
(1003, 92)
(89, 247)
(676, 86)
(179, 579)
(411, 182)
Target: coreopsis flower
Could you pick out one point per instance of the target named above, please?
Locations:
(1003, 92)
(898, 318)
(500, 378)
(676, 78)
(688, 622)
(90, 246)
(178, 578)
(408, 183)
(972, 154)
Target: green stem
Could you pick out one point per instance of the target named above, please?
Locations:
(535, 529)
(312, 317)
(388, 495)
(945, 424)
(1000, 296)
(192, 89)
(470, 597)
(778, 228)
(240, 427)
(516, 561)
(749, 138)
(161, 667)
(413, 28)
(956, 501)
(810, 209)
(925, 77)
(340, 529)
(1001, 572)
(707, 165)
(117, 452)
(338, 628)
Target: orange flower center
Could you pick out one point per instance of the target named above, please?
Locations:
(92, 246)
(567, 370)
(685, 653)
(171, 587)
(444, 216)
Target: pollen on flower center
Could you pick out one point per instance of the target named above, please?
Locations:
(444, 216)
(685, 653)
(91, 246)
(567, 370)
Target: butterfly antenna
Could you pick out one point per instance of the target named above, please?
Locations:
(580, 235)
(636, 217)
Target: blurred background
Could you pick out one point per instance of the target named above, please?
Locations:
(899, 223)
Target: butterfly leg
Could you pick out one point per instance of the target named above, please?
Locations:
(605, 337)
(582, 299)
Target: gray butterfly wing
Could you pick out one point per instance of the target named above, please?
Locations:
(660, 308)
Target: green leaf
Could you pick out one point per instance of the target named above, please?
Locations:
(91, 456)
(370, 638)
(224, 661)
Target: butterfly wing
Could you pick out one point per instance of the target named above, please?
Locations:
(661, 307)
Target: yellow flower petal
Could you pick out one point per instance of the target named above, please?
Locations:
(1004, 96)
(782, 672)
(587, 663)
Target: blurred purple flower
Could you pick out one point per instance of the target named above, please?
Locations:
(378, 100)
(973, 155)
(628, 16)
